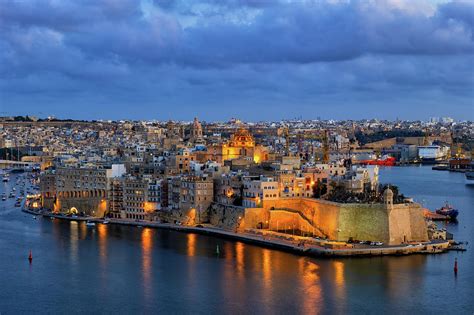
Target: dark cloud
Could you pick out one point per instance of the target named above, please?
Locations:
(304, 54)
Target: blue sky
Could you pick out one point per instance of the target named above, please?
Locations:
(252, 59)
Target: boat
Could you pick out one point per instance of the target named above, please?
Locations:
(6, 177)
(18, 204)
(89, 223)
(385, 160)
(4, 198)
(105, 222)
(448, 211)
(469, 178)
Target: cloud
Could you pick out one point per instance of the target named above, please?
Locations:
(238, 50)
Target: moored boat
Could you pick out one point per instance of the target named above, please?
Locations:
(89, 223)
(448, 211)
(6, 177)
(385, 160)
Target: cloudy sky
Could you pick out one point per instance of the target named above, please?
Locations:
(252, 59)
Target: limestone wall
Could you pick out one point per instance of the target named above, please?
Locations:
(226, 216)
(255, 217)
(369, 222)
(407, 224)
(283, 220)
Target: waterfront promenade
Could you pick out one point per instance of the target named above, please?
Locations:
(295, 244)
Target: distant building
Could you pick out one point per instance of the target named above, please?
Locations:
(432, 153)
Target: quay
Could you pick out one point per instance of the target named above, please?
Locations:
(305, 246)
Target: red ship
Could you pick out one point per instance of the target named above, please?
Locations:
(383, 161)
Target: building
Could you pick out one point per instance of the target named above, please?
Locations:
(241, 145)
(84, 189)
(228, 189)
(196, 132)
(258, 189)
(141, 198)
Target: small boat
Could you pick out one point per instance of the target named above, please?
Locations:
(18, 204)
(6, 177)
(4, 198)
(89, 223)
(105, 222)
(448, 211)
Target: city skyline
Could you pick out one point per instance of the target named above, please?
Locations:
(247, 59)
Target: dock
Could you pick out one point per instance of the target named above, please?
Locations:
(434, 216)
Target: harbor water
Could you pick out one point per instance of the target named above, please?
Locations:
(119, 269)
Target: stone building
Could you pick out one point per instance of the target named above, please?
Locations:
(228, 189)
(84, 189)
(180, 162)
(196, 132)
(141, 198)
(295, 185)
(240, 145)
(191, 196)
(115, 197)
(258, 189)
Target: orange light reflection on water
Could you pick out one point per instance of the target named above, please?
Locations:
(191, 244)
(339, 282)
(102, 240)
(146, 246)
(73, 242)
(239, 257)
(310, 286)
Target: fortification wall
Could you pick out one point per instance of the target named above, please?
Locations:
(255, 218)
(407, 224)
(392, 224)
(226, 216)
(363, 222)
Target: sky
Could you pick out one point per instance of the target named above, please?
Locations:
(250, 59)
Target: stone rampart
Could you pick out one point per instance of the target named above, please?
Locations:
(390, 224)
(226, 216)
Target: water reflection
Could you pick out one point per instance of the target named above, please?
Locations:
(310, 286)
(191, 244)
(239, 257)
(73, 242)
(402, 274)
(339, 283)
(102, 240)
(146, 246)
(267, 276)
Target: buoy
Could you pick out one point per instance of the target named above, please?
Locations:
(30, 257)
(217, 250)
(455, 266)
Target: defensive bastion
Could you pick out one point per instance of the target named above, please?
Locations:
(384, 222)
